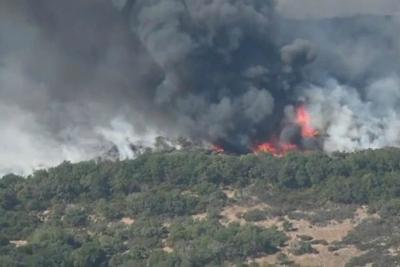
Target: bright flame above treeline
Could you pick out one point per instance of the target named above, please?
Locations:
(279, 148)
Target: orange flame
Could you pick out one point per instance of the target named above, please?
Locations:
(275, 149)
(285, 148)
(267, 148)
(278, 149)
(217, 149)
(303, 119)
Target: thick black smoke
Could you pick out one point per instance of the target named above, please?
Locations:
(77, 77)
(207, 70)
(225, 78)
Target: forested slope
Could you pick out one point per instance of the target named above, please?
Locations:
(199, 208)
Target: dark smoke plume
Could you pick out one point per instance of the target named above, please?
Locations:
(78, 78)
(224, 77)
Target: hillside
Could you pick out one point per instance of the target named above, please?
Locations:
(199, 208)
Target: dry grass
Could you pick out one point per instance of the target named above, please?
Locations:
(19, 243)
(324, 257)
(234, 213)
(334, 231)
(331, 232)
(200, 216)
(395, 252)
(230, 193)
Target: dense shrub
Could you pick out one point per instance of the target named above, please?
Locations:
(125, 213)
(255, 215)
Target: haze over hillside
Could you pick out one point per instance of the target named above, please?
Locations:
(78, 79)
(199, 133)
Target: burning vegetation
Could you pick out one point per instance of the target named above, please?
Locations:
(222, 72)
(279, 147)
(298, 134)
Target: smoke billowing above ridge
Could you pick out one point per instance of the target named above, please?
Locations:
(79, 77)
(225, 78)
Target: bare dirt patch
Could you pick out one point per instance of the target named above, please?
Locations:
(168, 249)
(200, 216)
(327, 258)
(229, 193)
(395, 252)
(324, 257)
(331, 232)
(334, 231)
(234, 213)
(127, 221)
(19, 243)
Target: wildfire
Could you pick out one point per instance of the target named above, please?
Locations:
(217, 149)
(276, 148)
(303, 119)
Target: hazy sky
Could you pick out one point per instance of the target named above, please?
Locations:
(334, 8)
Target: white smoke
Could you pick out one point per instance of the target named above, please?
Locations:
(352, 121)
(79, 79)
(123, 135)
(25, 146)
(337, 8)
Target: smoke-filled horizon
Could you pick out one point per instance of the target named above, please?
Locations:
(304, 9)
(80, 77)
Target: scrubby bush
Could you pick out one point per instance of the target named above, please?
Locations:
(255, 215)
(71, 214)
(301, 247)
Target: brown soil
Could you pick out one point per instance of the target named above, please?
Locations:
(230, 193)
(234, 213)
(200, 216)
(333, 231)
(127, 221)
